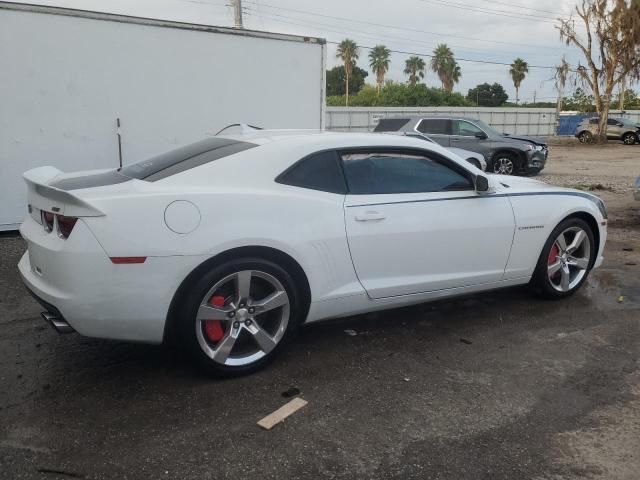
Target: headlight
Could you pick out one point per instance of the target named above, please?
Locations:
(538, 148)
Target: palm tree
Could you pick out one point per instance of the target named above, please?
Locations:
(444, 65)
(414, 67)
(519, 69)
(452, 77)
(379, 62)
(348, 52)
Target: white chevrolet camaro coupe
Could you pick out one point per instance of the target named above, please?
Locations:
(231, 243)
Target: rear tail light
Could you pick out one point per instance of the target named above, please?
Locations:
(47, 220)
(65, 225)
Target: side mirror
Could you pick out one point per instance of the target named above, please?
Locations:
(481, 135)
(482, 184)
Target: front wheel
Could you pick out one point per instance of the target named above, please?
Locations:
(504, 164)
(566, 259)
(238, 316)
(629, 138)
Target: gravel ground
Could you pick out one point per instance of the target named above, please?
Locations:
(494, 386)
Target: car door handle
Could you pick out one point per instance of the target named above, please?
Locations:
(369, 216)
(455, 139)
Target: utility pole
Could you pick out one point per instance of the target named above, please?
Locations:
(535, 92)
(237, 13)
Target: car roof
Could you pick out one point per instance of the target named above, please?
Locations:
(431, 115)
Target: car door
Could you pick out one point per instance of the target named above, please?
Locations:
(468, 136)
(614, 130)
(438, 129)
(415, 223)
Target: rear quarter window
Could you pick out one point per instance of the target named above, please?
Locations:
(390, 124)
(319, 171)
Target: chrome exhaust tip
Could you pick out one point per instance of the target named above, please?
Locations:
(59, 324)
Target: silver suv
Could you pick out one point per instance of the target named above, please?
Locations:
(505, 154)
(617, 129)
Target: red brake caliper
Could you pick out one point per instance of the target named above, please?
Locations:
(213, 328)
(553, 255)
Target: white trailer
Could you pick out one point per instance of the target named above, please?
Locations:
(83, 90)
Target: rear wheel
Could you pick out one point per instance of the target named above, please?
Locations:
(566, 259)
(585, 137)
(504, 164)
(237, 317)
(629, 138)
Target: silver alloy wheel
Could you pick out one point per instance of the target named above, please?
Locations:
(503, 166)
(569, 259)
(629, 139)
(243, 313)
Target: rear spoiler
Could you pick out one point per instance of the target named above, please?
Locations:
(45, 197)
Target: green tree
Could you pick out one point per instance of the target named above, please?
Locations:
(401, 95)
(485, 95)
(580, 101)
(379, 60)
(336, 80)
(519, 69)
(445, 66)
(414, 67)
(348, 52)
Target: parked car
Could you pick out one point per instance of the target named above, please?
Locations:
(617, 129)
(505, 154)
(229, 244)
(475, 159)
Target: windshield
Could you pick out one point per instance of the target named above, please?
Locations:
(487, 129)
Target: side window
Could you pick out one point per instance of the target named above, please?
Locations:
(437, 126)
(320, 171)
(593, 121)
(612, 121)
(460, 127)
(390, 124)
(384, 172)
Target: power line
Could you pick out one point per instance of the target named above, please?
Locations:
(405, 52)
(403, 28)
(519, 5)
(377, 36)
(502, 13)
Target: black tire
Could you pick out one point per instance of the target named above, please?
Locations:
(540, 281)
(504, 163)
(474, 162)
(198, 290)
(629, 138)
(585, 137)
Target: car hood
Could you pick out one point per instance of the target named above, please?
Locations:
(511, 184)
(534, 140)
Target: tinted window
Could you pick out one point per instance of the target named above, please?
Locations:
(593, 121)
(184, 158)
(435, 125)
(390, 124)
(320, 171)
(465, 128)
(612, 121)
(379, 173)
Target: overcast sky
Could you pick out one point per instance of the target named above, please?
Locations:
(488, 30)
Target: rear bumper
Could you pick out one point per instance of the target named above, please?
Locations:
(75, 280)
